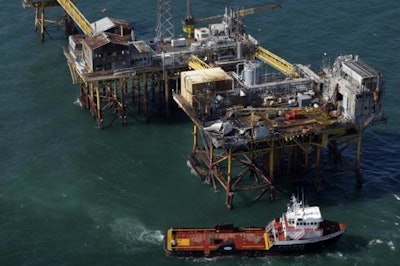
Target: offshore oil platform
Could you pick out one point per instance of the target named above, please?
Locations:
(252, 129)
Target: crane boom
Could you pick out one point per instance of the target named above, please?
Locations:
(243, 12)
(207, 19)
(250, 11)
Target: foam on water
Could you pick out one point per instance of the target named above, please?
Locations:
(336, 255)
(77, 102)
(391, 245)
(203, 260)
(241, 261)
(133, 236)
(374, 242)
(192, 171)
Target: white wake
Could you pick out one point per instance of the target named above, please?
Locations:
(133, 236)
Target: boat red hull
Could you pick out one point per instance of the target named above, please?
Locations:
(236, 246)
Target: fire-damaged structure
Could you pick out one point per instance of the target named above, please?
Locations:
(251, 129)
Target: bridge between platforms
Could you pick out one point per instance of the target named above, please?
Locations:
(69, 8)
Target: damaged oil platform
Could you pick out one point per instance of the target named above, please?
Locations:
(251, 127)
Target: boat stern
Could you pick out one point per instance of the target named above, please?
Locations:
(168, 241)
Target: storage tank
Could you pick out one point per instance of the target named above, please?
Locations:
(251, 73)
(239, 50)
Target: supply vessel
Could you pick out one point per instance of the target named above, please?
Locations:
(299, 230)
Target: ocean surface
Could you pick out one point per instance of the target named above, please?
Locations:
(73, 194)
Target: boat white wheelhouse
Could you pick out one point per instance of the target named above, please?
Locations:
(301, 221)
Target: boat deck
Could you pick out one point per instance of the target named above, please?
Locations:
(211, 239)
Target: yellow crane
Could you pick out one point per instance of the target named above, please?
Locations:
(188, 20)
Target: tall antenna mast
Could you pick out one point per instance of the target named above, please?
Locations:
(165, 27)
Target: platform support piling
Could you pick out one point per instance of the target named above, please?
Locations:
(210, 175)
(214, 167)
(123, 107)
(317, 169)
(305, 161)
(272, 161)
(359, 177)
(98, 105)
(91, 100)
(139, 97)
(194, 138)
(290, 159)
(167, 98)
(36, 18)
(146, 95)
(229, 193)
(42, 27)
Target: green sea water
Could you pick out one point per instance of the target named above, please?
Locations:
(73, 194)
